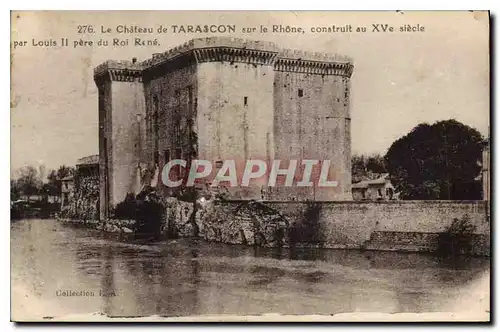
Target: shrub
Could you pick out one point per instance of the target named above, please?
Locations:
(458, 238)
(307, 231)
(127, 209)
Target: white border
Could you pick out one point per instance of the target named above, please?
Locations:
(196, 4)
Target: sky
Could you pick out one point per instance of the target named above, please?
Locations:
(399, 79)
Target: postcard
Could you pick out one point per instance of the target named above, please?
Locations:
(250, 166)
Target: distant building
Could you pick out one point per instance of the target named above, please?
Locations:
(377, 189)
(88, 166)
(80, 193)
(67, 187)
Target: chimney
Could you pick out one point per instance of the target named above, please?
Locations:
(134, 60)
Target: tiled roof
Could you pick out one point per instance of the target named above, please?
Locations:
(89, 160)
(364, 184)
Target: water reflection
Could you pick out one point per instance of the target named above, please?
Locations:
(191, 277)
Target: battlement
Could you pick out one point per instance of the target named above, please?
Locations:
(117, 64)
(119, 70)
(211, 43)
(313, 56)
(234, 50)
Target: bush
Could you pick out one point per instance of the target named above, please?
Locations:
(149, 217)
(126, 210)
(308, 230)
(458, 238)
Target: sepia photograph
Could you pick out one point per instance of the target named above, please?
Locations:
(250, 166)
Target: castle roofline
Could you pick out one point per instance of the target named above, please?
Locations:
(117, 65)
(89, 160)
(229, 42)
(267, 53)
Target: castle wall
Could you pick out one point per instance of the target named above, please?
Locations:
(352, 224)
(127, 137)
(312, 121)
(173, 95)
(235, 116)
(121, 130)
(85, 200)
(387, 226)
(105, 150)
(413, 226)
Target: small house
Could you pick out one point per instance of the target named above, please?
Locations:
(380, 188)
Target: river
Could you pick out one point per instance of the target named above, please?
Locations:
(61, 269)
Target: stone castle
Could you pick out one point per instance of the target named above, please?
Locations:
(223, 98)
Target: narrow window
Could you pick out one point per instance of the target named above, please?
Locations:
(245, 101)
(177, 97)
(167, 156)
(178, 170)
(177, 132)
(190, 100)
(156, 126)
(301, 92)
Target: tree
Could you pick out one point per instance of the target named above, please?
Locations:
(376, 164)
(53, 184)
(15, 191)
(53, 187)
(358, 165)
(65, 171)
(29, 182)
(438, 161)
(367, 167)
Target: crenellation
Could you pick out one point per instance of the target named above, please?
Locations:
(236, 50)
(121, 70)
(313, 67)
(234, 55)
(125, 75)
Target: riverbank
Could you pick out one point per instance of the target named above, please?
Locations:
(204, 280)
(407, 226)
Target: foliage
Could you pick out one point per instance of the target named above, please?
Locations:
(438, 161)
(367, 167)
(15, 190)
(358, 167)
(308, 230)
(458, 238)
(187, 194)
(146, 209)
(54, 179)
(376, 164)
(29, 182)
(149, 216)
(127, 209)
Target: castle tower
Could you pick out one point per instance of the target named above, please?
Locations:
(220, 99)
(312, 119)
(218, 92)
(121, 129)
(236, 106)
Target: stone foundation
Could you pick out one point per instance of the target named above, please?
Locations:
(109, 225)
(84, 201)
